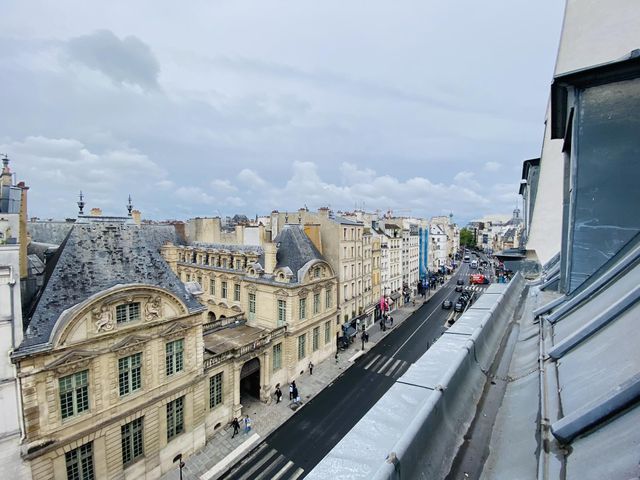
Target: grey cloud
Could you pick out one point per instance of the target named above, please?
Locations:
(126, 61)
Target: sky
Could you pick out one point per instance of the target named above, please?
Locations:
(217, 107)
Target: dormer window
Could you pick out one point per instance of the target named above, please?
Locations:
(129, 312)
(317, 272)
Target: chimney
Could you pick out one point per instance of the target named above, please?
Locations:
(96, 212)
(324, 212)
(270, 260)
(137, 216)
(22, 232)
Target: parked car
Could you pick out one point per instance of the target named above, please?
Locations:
(465, 295)
(458, 307)
(447, 304)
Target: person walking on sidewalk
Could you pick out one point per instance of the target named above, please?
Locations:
(362, 337)
(391, 319)
(296, 398)
(236, 426)
(278, 394)
(291, 391)
(310, 368)
(247, 425)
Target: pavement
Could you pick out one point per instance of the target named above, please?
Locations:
(222, 451)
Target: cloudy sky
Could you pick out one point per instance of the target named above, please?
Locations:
(217, 107)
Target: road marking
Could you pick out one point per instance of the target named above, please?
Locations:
(415, 331)
(267, 469)
(231, 458)
(267, 458)
(296, 474)
(384, 367)
(282, 470)
(391, 371)
(372, 362)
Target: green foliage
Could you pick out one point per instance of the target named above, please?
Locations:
(466, 238)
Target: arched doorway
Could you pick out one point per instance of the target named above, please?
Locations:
(250, 379)
(212, 316)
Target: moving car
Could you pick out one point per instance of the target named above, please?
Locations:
(458, 288)
(460, 282)
(447, 304)
(478, 279)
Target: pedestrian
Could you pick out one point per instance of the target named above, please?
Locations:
(391, 319)
(278, 394)
(247, 425)
(291, 391)
(366, 337)
(295, 394)
(362, 337)
(336, 356)
(310, 368)
(236, 426)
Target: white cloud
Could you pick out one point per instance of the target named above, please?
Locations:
(492, 166)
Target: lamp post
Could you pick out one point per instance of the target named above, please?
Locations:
(178, 458)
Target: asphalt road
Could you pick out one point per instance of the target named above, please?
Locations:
(301, 442)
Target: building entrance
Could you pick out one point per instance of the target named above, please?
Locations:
(250, 379)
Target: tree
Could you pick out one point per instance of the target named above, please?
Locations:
(466, 238)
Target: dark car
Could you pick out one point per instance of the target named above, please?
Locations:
(458, 288)
(447, 304)
(466, 296)
(460, 282)
(458, 307)
(464, 300)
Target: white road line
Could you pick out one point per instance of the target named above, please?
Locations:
(231, 458)
(296, 474)
(266, 459)
(393, 367)
(403, 368)
(384, 367)
(377, 364)
(415, 331)
(267, 469)
(372, 362)
(282, 470)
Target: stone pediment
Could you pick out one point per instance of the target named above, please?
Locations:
(176, 329)
(280, 293)
(130, 343)
(71, 361)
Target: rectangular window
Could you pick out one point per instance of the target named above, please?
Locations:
(316, 339)
(132, 440)
(282, 312)
(215, 390)
(327, 299)
(175, 418)
(236, 292)
(74, 394)
(302, 346)
(327, 332)
(174, 357)
(277, 357)
(129, 373)
(80, 463)
(128, 312)
(199, 280)
(212, 287)
(316, 303)
(303, 308)
(316, 273)
(224, 289)
(252, 303)
(238, 264)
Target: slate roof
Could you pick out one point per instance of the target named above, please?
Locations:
(93, 258)
(295, 249)
(345, 221)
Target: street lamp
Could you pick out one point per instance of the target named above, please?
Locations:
(178, 458)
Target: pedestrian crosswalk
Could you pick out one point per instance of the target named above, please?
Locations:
(474, 288)
(388, 366)
(265, 463)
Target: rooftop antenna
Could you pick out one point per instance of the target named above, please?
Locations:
(81, 203)
(129, 205)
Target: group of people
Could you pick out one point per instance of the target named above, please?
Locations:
(383, 321)
(236, 425)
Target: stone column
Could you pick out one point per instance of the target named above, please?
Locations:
(237, 406)
(265, 378)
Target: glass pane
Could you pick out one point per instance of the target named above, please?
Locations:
(607, 156)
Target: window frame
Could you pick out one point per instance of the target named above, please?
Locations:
(75, 389)
(129, 371)
(216, 386)
(302, 346)
(175, 418)
(132, 441)
(276, 361)
(83, 458)
(174, 360)
(131, 312)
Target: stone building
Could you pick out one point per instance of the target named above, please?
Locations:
(111, 362)
(271, 311)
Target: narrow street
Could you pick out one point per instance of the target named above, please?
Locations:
(302, 441)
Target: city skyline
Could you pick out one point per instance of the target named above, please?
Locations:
(247, 110)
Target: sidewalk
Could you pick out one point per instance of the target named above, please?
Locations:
(222, 451)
